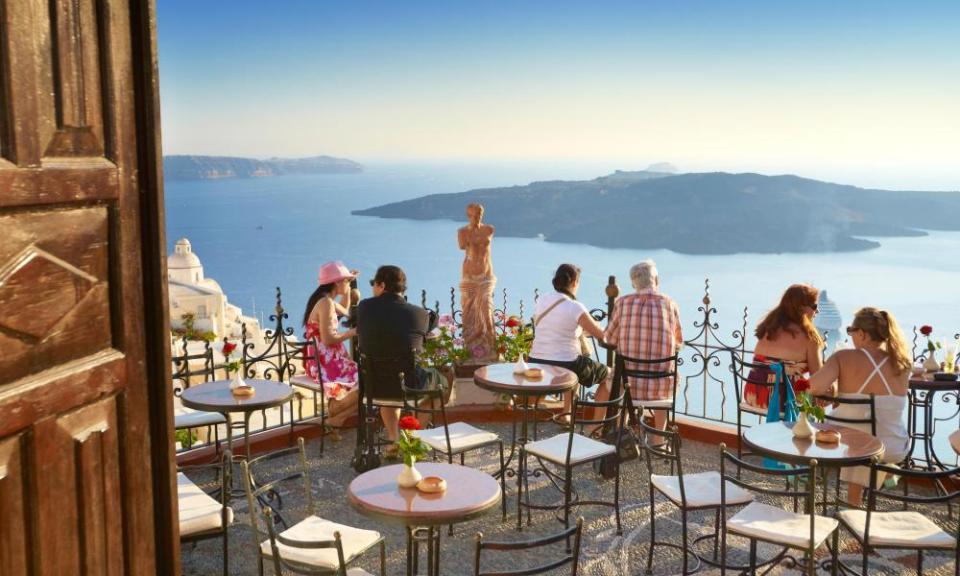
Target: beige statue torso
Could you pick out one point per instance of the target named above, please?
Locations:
(476, 241)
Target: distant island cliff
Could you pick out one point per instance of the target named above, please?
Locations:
(186, 167)
(696, 213)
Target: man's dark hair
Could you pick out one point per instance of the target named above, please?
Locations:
(392, 278)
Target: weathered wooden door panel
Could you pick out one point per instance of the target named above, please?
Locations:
(77, 480)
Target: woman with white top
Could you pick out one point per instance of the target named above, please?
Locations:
(879, 364)
(559, 321)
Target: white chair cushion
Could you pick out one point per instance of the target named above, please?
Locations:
(667, 403)
(777, 525)
(555, 449)
(745, 407)
(311, 529)
(955, 441)
(199, 512)
(304, 381)
(701, 490)
(905, 528)
(462, 437)
(357, 572)
(197, 419)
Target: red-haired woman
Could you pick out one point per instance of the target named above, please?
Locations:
(786, 334)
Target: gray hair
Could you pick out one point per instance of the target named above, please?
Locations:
(644, 275)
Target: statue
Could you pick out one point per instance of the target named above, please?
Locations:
(476, 287)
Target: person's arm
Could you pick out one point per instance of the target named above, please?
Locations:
(611, 334)
(822, 381)
(329, 334)
(814, 359)
(590, 326)
(460, 239)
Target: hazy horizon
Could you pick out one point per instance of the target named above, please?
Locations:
(855, 93)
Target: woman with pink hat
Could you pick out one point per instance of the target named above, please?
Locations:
(327, 360)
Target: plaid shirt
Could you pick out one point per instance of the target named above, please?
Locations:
(646, 325)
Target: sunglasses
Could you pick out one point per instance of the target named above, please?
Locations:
(815, 306)
(372, 282)
(851, 330)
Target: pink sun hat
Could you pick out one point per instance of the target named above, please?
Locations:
(334, 272)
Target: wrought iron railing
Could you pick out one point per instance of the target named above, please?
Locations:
(705, 385)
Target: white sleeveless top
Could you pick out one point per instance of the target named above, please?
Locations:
(889, 413)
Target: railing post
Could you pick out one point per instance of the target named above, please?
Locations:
(612, 291)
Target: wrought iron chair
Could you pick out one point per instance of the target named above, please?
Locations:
(314, 387)
(869, 420)
(312, 545)
(689, 493)
(202, 517)
(378, 375)
(741, 377)
(902, 529)
(645, 370)
(571, 556)
(571, 449)
(184, 371)
(449, 439)
(761, 522)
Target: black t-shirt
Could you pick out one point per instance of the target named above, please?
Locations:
(390, 327)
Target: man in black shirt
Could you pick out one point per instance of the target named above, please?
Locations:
(390, 328)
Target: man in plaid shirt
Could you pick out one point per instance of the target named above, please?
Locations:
(646, 326)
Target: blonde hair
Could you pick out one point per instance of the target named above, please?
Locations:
(882, 327)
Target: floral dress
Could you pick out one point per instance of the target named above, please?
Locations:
(335, 369)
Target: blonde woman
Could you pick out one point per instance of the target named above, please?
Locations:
(879, 364)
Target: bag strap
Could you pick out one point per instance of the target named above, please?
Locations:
(542, 315)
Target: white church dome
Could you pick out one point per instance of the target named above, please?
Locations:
(183, 256)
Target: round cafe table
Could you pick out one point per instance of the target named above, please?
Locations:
(215, 396)
(500, 378)
(776, 440)
(469, 494)
(921, 422)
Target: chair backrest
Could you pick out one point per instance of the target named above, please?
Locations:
(647, 369)
(430, 403)
(615, 413)
(378, 375)
(663, 446)
(869, 401)
(572, 558)
(741, 373)
(764, 478)
(280, 564)
(258, 490)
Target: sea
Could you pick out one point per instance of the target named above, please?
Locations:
(253, 235)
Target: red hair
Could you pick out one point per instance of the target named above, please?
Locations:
(789, 314)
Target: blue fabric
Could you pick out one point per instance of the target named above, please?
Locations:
(773, 409)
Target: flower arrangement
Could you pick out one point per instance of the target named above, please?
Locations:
(409, 446)
(232, 365)
(800, 385)
(444, 348)
(809, 407)
(515, 340)
(932, 345)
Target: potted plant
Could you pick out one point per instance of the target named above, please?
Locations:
(410, 448)
(445, 351)
(808, 408)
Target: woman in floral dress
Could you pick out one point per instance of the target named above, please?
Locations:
(327, 360)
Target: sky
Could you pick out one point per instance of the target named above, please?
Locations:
(864, 92)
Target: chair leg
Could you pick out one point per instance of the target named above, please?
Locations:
(866, 552)
(683, 538)
(503, 484)
(383, 558)
(716, 534)
(226, 552)
(835, 554)
(616, 498)
(753, 556)
(520, 458)
(653, 532)
(919, 561)
(568, 472)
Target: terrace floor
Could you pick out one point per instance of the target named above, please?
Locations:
(603, 551)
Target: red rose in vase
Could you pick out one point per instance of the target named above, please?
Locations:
(410, 423)
(926, 330)
(801, 385)
(228, 348)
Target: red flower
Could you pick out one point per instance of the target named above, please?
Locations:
(513, 322)
(801, 385)
(410, 423)
(228, 348)
(926, 330)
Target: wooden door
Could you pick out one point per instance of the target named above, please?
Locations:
(85, 479)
